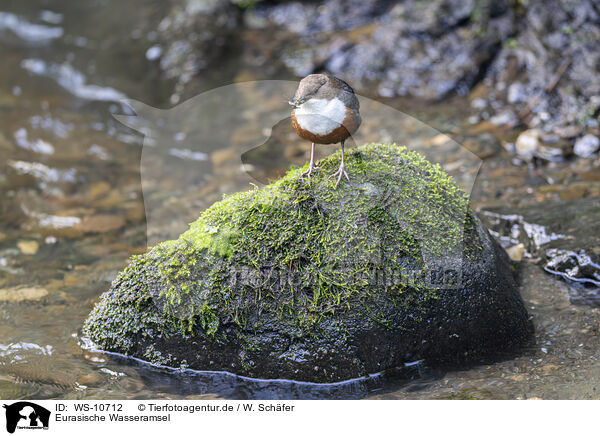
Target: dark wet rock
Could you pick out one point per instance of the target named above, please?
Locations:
(538, 60)
(564, 236)
(551, 68)
(309, 18)
(574, 266)
(194, 36)
(298, 280)
(426, 49)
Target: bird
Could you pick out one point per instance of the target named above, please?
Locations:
(326, 111)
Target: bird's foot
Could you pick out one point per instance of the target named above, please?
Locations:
(309, 171)
(340, 172)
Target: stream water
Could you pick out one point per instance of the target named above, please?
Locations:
(72, 212)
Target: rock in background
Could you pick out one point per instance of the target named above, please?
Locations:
(194, 36)
(530, 62)
(563, 238)
(550, 70)
(425, 49)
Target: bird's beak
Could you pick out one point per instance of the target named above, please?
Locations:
(297, 102)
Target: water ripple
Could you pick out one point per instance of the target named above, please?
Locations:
(72, 80)
(28, 31)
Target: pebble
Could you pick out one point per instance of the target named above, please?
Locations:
(479, 103)
(135, 212)
(99, 189)
(439, 140)
(586, 146)
(573, 192)
(153, 53)
(550, 368)
(16, 295)
(570, 131)
(551, 154)
(89, 379)
(100, 223)
(515, 93)
(527, 143)
(115, 198)
(516, 252)
(502, 118)
(28, 247)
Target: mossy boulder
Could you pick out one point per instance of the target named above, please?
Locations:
(303, 281)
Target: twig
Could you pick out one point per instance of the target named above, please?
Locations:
(556, 78)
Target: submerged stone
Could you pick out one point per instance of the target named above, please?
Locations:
(563, 235)
(298, 280)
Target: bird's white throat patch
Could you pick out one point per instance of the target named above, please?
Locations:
(320, 116)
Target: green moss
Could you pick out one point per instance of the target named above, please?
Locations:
(155, 356)
(511, 43)
(296, 253)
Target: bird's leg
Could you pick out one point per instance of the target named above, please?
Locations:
(341, 170)
(311, 165)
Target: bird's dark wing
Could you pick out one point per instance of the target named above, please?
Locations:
(339, 83)
(347, 94)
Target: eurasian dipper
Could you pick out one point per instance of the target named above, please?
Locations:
(325, 112)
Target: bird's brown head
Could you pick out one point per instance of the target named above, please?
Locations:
(314, 85)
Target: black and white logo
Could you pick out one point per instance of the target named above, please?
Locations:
(26, 415)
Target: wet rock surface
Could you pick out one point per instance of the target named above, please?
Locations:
(548, 72)
(193, 37)
(563, 237)
(533, 63)
(215, 298)
(414, 48)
